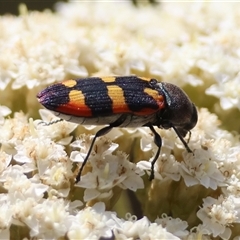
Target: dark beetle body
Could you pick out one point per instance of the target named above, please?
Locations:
(136, 106)
(127, 101)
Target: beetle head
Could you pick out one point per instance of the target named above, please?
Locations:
(180, 113)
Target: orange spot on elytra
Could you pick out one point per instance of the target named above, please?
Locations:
(157, 97)
(76, 105)
(108, 79)
(118, 101)
(69, 83)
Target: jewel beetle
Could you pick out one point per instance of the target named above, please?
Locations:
(122, 101)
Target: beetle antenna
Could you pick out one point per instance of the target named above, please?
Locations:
(51, 122)
(189, 136)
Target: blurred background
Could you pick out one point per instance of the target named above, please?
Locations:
(11, 7)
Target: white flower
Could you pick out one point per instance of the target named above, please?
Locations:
(48, 220)
(108, 170)
(22, 211)
(199, 232)
(40, 63)
(101, 146)
(168, 140)
(52, 127)
(227, 157)
(13, 131)
(50, 159)
(34, 153)
(5, 159)
(5, 76)
(4, 111)
(155, 231)
(228, 91)
(95, 222)
(19, 186)
(233, 186)
(57, 176)
(142, 229)
(218, 215)
(166, 165)
(175, 226)
(201, 169)
(5, 217)
(192, 45)
(207, 129)
(147, 166)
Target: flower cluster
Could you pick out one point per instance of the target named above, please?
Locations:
(193, 196)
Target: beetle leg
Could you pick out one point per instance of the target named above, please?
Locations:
(100, 133)
(158, 142)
